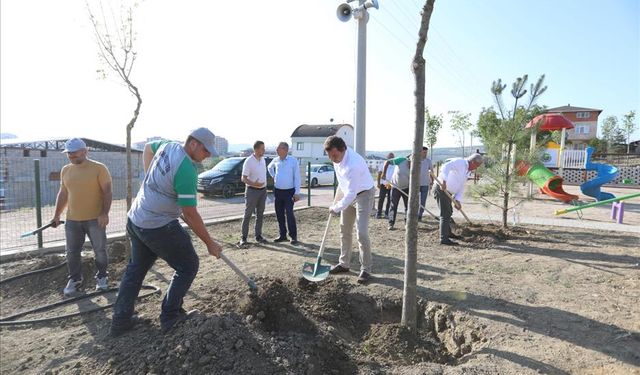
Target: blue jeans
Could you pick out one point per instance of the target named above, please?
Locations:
(284, 205)
(170, 243)
(424, 192)
(75, 234)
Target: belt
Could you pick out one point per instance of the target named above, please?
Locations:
(255, 188)
(363, 191)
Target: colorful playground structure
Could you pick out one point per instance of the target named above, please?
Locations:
(551, 184)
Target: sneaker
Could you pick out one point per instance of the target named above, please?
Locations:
(182, 316)
(72, 287)
(455, 236)
(364, 277)
(102, 283)
(261, 240)
(338, 269)
(294, 242)
(448, 242)
(242, 244)
(122, 327)
(378, 216)
(281, 239)
(391, 227)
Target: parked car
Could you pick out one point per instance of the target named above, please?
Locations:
(321, 174)
(225, 178)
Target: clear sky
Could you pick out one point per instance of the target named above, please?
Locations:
(256, 69)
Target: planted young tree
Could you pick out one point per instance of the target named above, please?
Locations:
(433, 124)
(460, 124)
(115, 38)
(501, 131)
(628, 127)
(409, 295)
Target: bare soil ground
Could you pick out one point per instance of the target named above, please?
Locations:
(516, 301)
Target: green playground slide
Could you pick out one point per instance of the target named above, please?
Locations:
(549, 183)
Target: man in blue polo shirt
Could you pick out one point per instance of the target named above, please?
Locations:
(167, 192)
(286, 177)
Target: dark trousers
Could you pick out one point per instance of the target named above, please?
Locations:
(395, 200)
(284, 207)
(384, 194)
(446, 209)
(170, 243)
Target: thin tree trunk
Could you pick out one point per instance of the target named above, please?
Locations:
(507, 179)
(409, 295)
(130, 126)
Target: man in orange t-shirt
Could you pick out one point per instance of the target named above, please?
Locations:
(85, 190)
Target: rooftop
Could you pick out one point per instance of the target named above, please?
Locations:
(305, 130)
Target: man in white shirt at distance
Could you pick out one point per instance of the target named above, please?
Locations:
(453, 178)
(254, 175)
(358, 193)
(286, 176)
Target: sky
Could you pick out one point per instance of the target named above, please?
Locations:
(256, 70)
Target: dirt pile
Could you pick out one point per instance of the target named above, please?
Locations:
(291, 326)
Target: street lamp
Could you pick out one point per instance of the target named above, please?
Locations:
(360, 14)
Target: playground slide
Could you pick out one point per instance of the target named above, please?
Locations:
(605, 174)
(548, 182)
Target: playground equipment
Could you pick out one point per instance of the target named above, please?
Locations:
(550, 122)
(548, 182)
(605, 174)
(595, 204)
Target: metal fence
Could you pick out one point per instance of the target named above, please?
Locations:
(28, 190)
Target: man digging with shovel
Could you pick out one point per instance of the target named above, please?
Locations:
(358, 193)
(168, 190)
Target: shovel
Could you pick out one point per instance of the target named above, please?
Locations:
(316, 271)
(423, 207)
(450, 197)
(252, 285)
(33, 232)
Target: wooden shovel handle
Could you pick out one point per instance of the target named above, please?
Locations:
(450, 197)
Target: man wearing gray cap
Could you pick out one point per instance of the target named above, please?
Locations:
(85, 190)
(167, 192)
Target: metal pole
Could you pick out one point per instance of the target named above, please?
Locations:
(361, 84)
(561, 153)
(36, 172)
(309, 183)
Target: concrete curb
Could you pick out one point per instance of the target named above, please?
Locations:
(59, 246)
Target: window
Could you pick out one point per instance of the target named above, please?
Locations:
(25, 153)
(299, 146)
(43, 153)
(583, 114)
(582, 129)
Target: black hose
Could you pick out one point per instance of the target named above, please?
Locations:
(7, 321)
(16, 277)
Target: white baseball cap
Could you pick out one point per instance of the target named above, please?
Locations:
(206, 137)
(74, 144)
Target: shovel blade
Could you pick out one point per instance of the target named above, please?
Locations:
(315, 272)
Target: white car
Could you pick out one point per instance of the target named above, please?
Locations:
(321, 174)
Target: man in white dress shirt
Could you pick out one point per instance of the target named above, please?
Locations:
(358, 193)
(286, 177)
(254, 175)
(453, 178)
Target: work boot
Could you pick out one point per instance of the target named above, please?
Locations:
(72, 287)
(261, 240)
(117, 329)
(294, 242)
(338, 269)
(182, 316)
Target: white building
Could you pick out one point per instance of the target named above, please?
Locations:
(307, 141)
